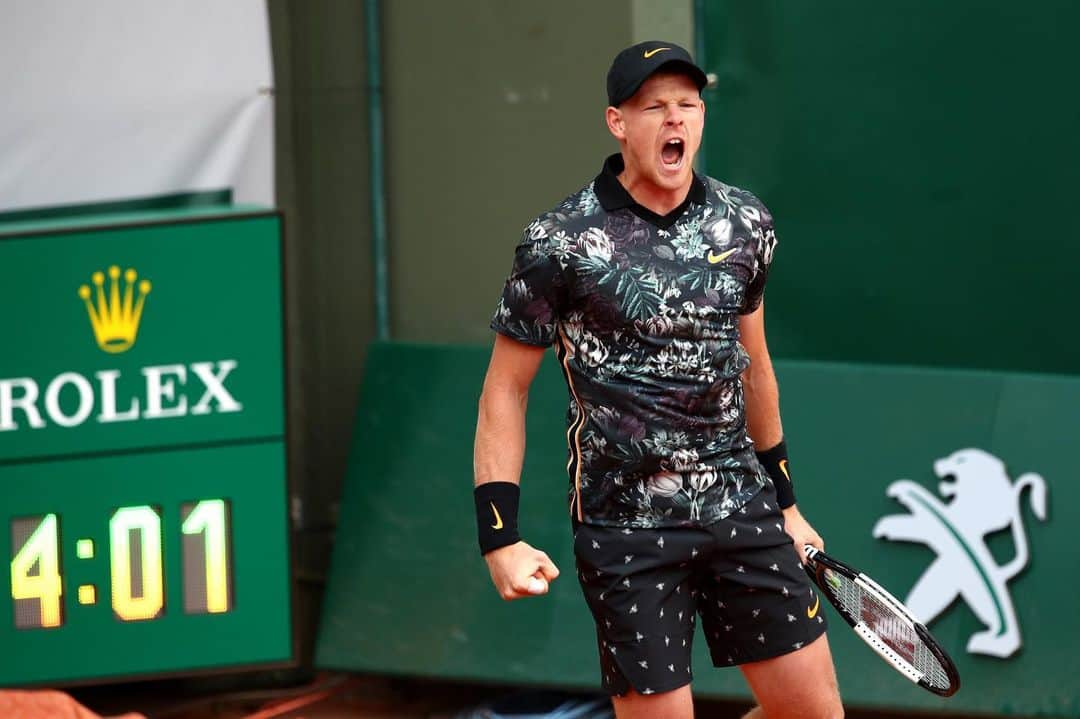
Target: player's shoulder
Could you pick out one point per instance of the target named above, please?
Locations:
(718, 192)
(569, 216)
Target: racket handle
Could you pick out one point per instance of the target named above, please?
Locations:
(810, 551)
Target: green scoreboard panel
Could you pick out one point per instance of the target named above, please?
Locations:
(142, 447)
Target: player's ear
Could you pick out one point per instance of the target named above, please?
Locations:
(615, 124)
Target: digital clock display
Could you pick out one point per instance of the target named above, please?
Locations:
(137, 571)
(143, 452)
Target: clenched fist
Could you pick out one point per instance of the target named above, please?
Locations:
(519, 570)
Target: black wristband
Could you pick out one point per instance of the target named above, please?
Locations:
(496, 514)
(775, 462)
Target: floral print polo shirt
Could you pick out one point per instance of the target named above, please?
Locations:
(643, 313)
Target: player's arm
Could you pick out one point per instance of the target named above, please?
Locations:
(763, 422)
(517, 569)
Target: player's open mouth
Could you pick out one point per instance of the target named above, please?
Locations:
(671, 155)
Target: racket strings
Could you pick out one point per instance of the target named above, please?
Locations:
(863, 605)
(927, 663)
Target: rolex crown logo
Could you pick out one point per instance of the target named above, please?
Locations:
(115, 317)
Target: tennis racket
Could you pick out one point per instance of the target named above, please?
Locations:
(884, 623)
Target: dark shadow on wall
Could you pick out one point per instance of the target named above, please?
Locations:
(321, 149)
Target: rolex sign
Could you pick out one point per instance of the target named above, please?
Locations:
(142, 446)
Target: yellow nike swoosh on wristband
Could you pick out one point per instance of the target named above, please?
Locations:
(783, 468)
(498, 520)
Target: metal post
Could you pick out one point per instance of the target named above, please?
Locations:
(377, 174)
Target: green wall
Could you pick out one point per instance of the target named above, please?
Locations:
(920, 159)
(407, 521)
(494, 113)
(915, 157)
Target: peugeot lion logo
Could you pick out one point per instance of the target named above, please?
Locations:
(983, 500)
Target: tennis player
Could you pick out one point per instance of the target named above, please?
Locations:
(648, 282)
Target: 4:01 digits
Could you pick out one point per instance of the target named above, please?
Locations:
(136, 576)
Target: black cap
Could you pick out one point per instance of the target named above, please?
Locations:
(635, 64)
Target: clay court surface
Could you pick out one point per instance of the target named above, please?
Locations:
(328, 697)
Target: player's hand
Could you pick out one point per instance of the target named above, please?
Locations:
(801, 532)
(519, 570)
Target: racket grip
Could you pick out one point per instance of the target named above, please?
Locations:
(810, 551)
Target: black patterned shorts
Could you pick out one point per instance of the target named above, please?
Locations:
(646, 587)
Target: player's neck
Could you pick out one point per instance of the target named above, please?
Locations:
(648, 194)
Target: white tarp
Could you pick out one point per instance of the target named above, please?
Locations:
(120, 99)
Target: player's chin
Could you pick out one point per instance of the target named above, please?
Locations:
(673, 179)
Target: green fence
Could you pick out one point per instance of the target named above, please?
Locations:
(409, 594)
(920, 159)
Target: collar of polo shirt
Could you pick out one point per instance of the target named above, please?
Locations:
(613, 196)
